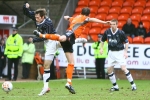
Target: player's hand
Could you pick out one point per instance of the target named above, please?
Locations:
(108, 22)
(27, 5)
(101, 51)
(36, 32)
(125, 55)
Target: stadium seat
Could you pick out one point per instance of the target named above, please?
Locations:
(106, 3)
(94, 3)
(94, 30)
(147, 40)
(129, 39)
(117, 3)
(86, 32)
(126, 10)
(138, 40)
(78, 9)
(94, 37)
(121, 23)
(147, 4)
(135, 17)
(128, 4)
(146, 11)
(146, 24)
(112, 16)
(89, 24)
(103, 30)
(92, 15)
(140, 3)
(114, 10)
(123, 17)
(136, 23)
(145, 18)
(101, 16)
(93, 9)
(137, 10)
(99, 25)
(83, 3)
(102, 10)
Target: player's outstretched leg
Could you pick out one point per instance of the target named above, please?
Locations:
(69, 72)
(113, 81)
(46, 77)
(47, 36)
(130, 79)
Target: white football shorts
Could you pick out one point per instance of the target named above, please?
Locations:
(116, 57)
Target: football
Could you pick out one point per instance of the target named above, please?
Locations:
(7, 86)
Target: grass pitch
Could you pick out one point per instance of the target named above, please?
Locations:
(86, 89)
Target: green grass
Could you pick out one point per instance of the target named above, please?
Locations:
(86, 89)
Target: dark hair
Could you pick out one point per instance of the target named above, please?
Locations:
(140, 23)
(114, 20)
(85, 11)
(41, 12)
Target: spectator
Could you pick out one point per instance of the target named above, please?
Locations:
(13, 51)
(100, 59)
(141, 31)
(2, 57)
(129, 28)
(27, 58)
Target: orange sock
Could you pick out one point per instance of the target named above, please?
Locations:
(69, 72)
(50, 36)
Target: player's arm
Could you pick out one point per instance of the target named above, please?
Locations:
(28, 12)
(98, 21)
(67, 17)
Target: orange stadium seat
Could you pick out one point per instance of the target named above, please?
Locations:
(106, 3)
(145, 18)
(147, 40)
(114, 10)
(138, 40)
(89, 24)
(129, 39)
(93, 9)
(147, 4)
(101, 16)
(136, 23)
(123, 17)
(94, 37)
(146, 11)
(86, 31)
(146, 24)
(78, 9)
(121, 23)
(117, 3)
(94, 30)
(140, 3)
(99, 25)
(103, 10)
(126, 10)
(83, 3)
(128, 4)
(103, 30)
(92, 15)
(137, 10)
(136, 17)
(112, 16)
(95, 3)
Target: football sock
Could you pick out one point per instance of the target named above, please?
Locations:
(113, 79)
(50, 36)
(46, 77)
(69, 72)
(129, 77)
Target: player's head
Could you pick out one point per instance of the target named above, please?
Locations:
(114, 23)
(40, 15)
(85, 11)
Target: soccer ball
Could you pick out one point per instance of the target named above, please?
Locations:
(7, 86)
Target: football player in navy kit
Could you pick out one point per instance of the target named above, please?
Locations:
(117, 53)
